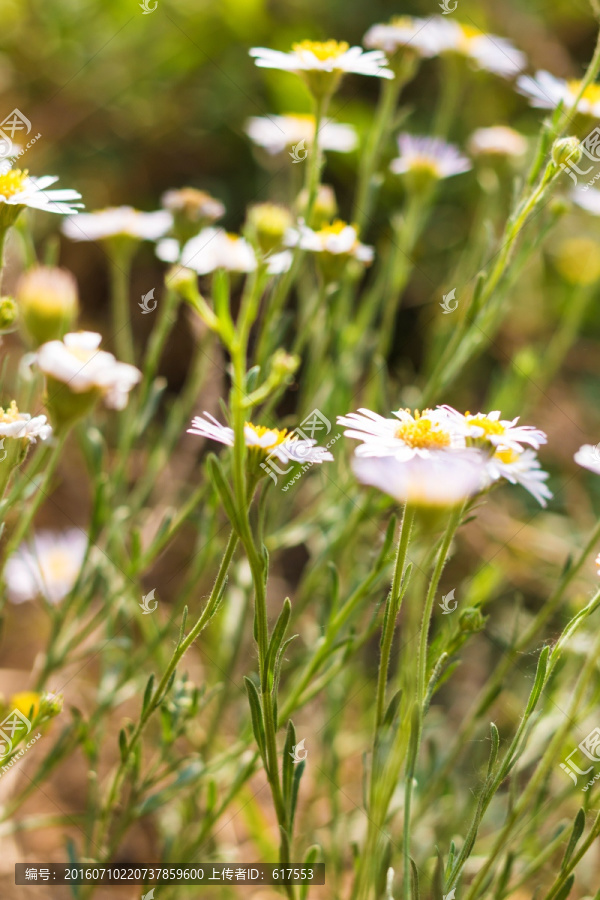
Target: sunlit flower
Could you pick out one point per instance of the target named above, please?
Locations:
(46, 566)
(437, 480)
(82, 368)
(428, 157)
(323, 56)
(276, 133)
(401, 33)
(490, 428)
(588, 456)
(18, 190)
(119, 221)
(485, 51)
(215, 248)
(520, 468)
(546, 91)
(271, 442)
(15, 424)
(337, 239)
(500, 140)
(404, 437)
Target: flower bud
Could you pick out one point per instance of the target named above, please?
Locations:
(268, 223)
(284, 364)
(192, 210)
(471, 620)
(48, 302)
(324, 209)
(8, 313)
(566, 150)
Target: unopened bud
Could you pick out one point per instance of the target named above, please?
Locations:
(566, 150)
(48, 302)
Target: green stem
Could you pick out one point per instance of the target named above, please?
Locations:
(120, 270)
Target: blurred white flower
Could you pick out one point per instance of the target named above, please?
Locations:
(17, 188)
(437, 480)
(500, 140)
(46, 566)
(588, 199)
(335, 57)
(215, 248)
(82, 367)
(119, 221)
(486, 51)
(489, 427)
(401, 33)
(338, 239)
(546, 91)
(14, 424)
(588, 456)
(428, 155)
(520, 468)
(404, 437)
(276, 133)
(284, 445)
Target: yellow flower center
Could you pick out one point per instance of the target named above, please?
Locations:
(507, 455)
(591, 93)
(12, 182)
(301, 117)
(11, 414)
(24, 700)
(423, 434)
(323, 50)
(261, 430)
(57, 565)
(425, 166)
(468, 34)
(402, 22)
(490, 426)
(336, 227)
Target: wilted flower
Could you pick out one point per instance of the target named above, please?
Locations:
(427, 159)
(546, 91)
(46, 566)
(78, 374)
(18, 190)
(277, 133)
(500, 140)
(323, 64)
(116, 222)
(48, 302)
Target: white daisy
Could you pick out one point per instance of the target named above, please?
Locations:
(77, 362)
(486, 51)
(588, 456)
(15, 424)
(546, 91)
(490, 428)
(401, 33)
(120, 221)
(404, 437)
(429, 156)
(500, 140)
(215, 248)
(587, 198)
(338, 239)
(18, 189)
(46, 566)
(284, 445)
(520, 468)
(276, 133)
(438, 480)
(333, 58)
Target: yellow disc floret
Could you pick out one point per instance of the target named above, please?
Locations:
(323, 50)
(591, 93)
(489, 426)
(9, 415)
(423, 434)
(261, 430)
(506, 455)
(12, 182)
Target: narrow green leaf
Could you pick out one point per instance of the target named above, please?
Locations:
(287, 768)
(277, 637)
(257, 717)
(414, 880)
(148, 693)
(565, 889)
(310, 857)
(538, 684)
(123, 749)
(578, 826)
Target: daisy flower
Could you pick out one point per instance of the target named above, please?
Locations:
(337, 239)
(46, 566)
(546, 91)
(404, 437)
(215, 248)
(428, 156)
(15, 424)
(77, 363)
(323, 63)
(269, 442)
(438, 480)
(500, 140)
(401, 33)
(490, 428)
(120, 221)
(18, 190)
(588, 456)
(276, 133)
(520, 468)
(485, 51)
